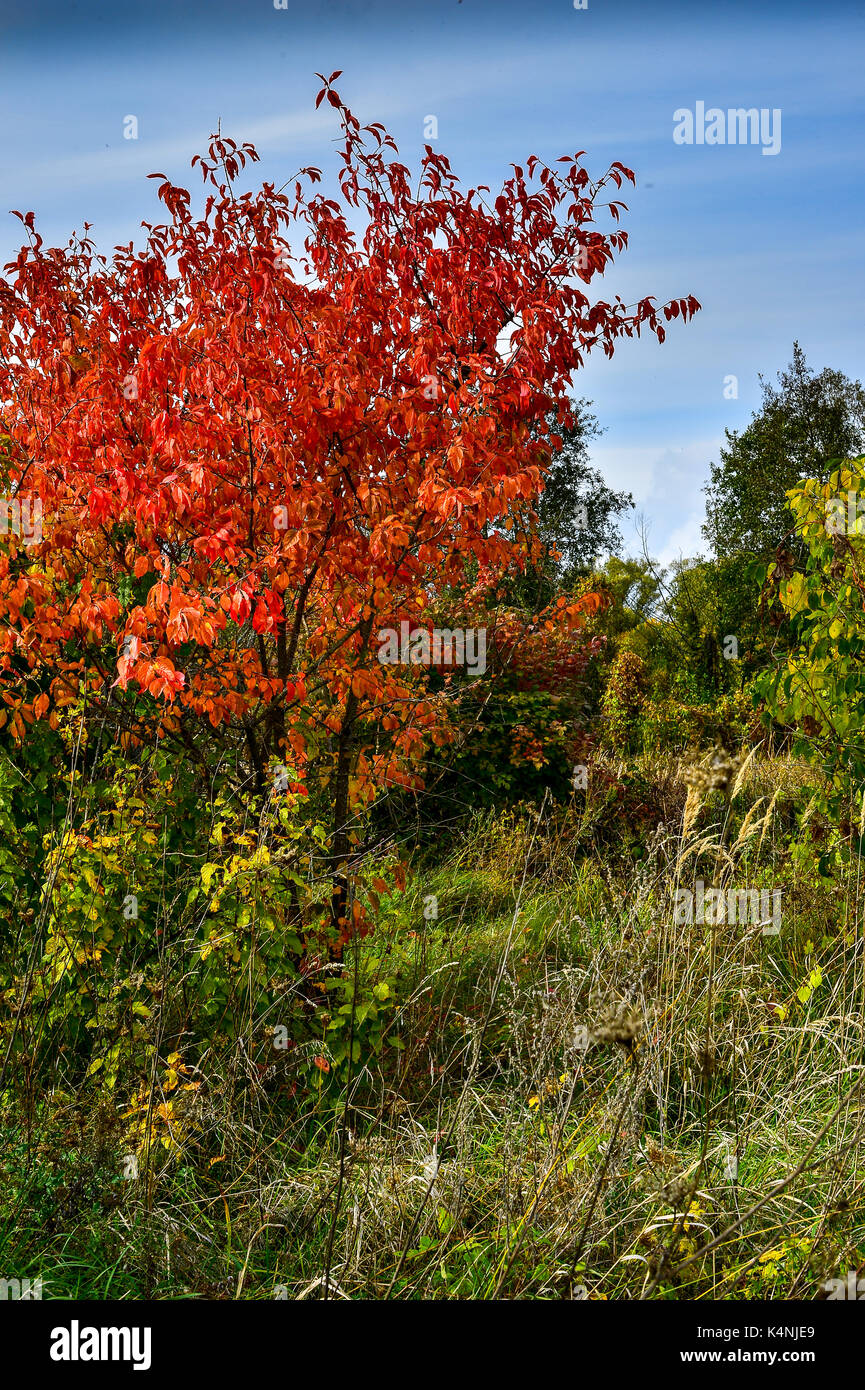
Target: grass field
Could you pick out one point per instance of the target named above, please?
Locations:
(558, 1090)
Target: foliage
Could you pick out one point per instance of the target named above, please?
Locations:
(519, 732)
(468, 1168)
(623, 701)
(576, 516)
(803, 423)
(265, 438)
(819, 688)
(670, 724)
(247, 1041)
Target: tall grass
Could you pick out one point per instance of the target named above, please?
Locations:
(591, 1099)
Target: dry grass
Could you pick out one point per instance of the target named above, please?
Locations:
(592, 1100)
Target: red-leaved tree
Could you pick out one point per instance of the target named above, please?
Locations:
(278, 428)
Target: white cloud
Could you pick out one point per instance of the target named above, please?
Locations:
(685, 541)
(667, 484)
(140, 157)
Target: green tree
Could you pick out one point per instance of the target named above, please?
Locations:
(576, 516)
(803, 423)
(634, 587)
(716, 632)
(818, 686)
(577, 511)
(695, 624)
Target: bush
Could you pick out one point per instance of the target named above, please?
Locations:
(623, 701)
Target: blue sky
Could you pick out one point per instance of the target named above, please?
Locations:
(770, 245)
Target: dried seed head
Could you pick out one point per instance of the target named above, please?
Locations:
(618, 1023)
(705, 1057)
(714, 774)
(678, 1193)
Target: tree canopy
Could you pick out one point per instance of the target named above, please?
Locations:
(803, 423)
